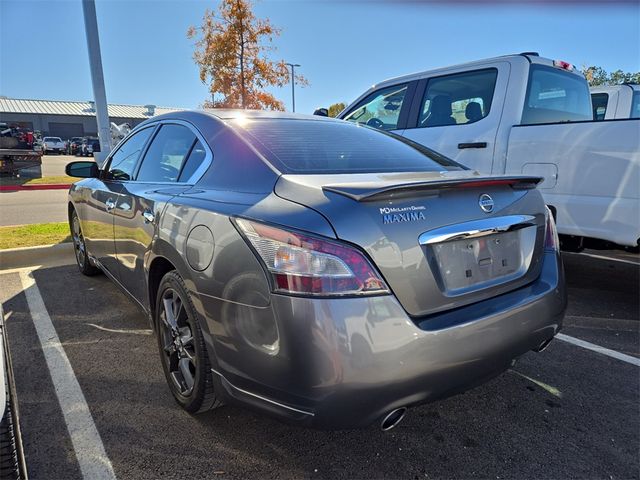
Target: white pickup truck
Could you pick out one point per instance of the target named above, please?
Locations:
(616, 101)
(523, 114)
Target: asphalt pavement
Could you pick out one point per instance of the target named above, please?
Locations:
(38, 206)
(567, 412)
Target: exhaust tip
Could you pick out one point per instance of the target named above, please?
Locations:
(393, 418)
(543, 345)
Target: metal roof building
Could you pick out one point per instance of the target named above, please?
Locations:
(70, 119)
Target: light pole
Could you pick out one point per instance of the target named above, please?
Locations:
(293, 85)
(97, 78)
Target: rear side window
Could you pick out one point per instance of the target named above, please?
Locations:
(458, 99)
(555, 95)
(316, 146)
(166, 155)
(124, 160)
(195, 159)
(635, 105)
(380, 109)
(599, 102)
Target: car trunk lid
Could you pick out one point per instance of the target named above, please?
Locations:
(440, 239)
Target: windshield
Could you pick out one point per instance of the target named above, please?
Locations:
(312, 146)
(635, 105)
(555, 95)
(52, 139)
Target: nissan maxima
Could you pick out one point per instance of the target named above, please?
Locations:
(323, 272)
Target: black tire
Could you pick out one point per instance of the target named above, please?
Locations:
(80, 248)
(183, 353)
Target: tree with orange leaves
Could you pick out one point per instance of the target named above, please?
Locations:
(231, 52)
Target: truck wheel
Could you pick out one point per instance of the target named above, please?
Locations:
(80, 248)
(182, 348)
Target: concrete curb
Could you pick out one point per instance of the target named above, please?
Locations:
(44, 186)
(43, 256)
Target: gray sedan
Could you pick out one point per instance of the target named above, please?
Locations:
(323, 272)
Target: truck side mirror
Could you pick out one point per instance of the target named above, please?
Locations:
(321, 112)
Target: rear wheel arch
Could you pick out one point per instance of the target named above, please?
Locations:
(158, 268)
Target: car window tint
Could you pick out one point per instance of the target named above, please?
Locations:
(123, 161)
(166, 154)
(380, 109)
(599, 102)
(196, 157)
(555, 95)
(313, 146)
(458, 99)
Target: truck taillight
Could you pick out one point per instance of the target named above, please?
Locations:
(305, 265)
(563, 65)
(551, 241)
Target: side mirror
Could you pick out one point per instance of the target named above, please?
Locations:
(321, 112)
(83, 169)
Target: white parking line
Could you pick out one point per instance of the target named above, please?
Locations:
(596, 348)
(603, 257)
(87, 444)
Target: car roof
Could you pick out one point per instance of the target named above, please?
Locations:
(234, 113)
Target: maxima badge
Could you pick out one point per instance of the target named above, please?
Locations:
(411, 213)
(486, 203)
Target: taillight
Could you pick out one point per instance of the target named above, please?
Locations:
(563, 65)
(551, 241)
(302, 264)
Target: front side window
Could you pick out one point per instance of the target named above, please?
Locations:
(635, 105)
(380, 109)
(458, 99)
(555, 95)
(124, 160)
(166, 155)
(599, 102)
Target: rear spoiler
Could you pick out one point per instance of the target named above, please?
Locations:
(363, 192)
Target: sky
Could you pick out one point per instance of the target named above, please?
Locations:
(343, 46)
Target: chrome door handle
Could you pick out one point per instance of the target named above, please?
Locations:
(110, 204)
(149, 217)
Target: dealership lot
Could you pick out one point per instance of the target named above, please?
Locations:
(566, 412)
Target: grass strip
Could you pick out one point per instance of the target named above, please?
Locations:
(50, 180)
(34, 235)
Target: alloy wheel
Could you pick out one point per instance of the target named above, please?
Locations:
(178, 342)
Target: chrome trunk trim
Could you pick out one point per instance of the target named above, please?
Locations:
(476, 228)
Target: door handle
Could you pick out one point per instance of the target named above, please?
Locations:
(472, 145)
(149, 217)
(109, 205)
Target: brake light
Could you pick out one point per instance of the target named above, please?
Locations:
(301, 264)
(551, 241)
(563, 65)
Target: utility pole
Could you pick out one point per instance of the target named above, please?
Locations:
(97, 77)
(293, 85)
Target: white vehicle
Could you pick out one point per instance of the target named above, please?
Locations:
(523, 114)
(53, 144)
(616, 101)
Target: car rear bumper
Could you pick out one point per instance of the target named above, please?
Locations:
(342, 363)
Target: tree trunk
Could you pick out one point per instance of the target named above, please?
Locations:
(242, 88)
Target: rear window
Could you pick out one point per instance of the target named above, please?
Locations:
(635, 105)
(554, 95)
(308, 146)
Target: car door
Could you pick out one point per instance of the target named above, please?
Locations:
(169, 163)
(458, 114)
(386, 108)
(102, 196)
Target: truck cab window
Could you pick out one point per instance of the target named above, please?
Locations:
(380, 109)
(555, 95)
(599, 102)
(458, 99)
